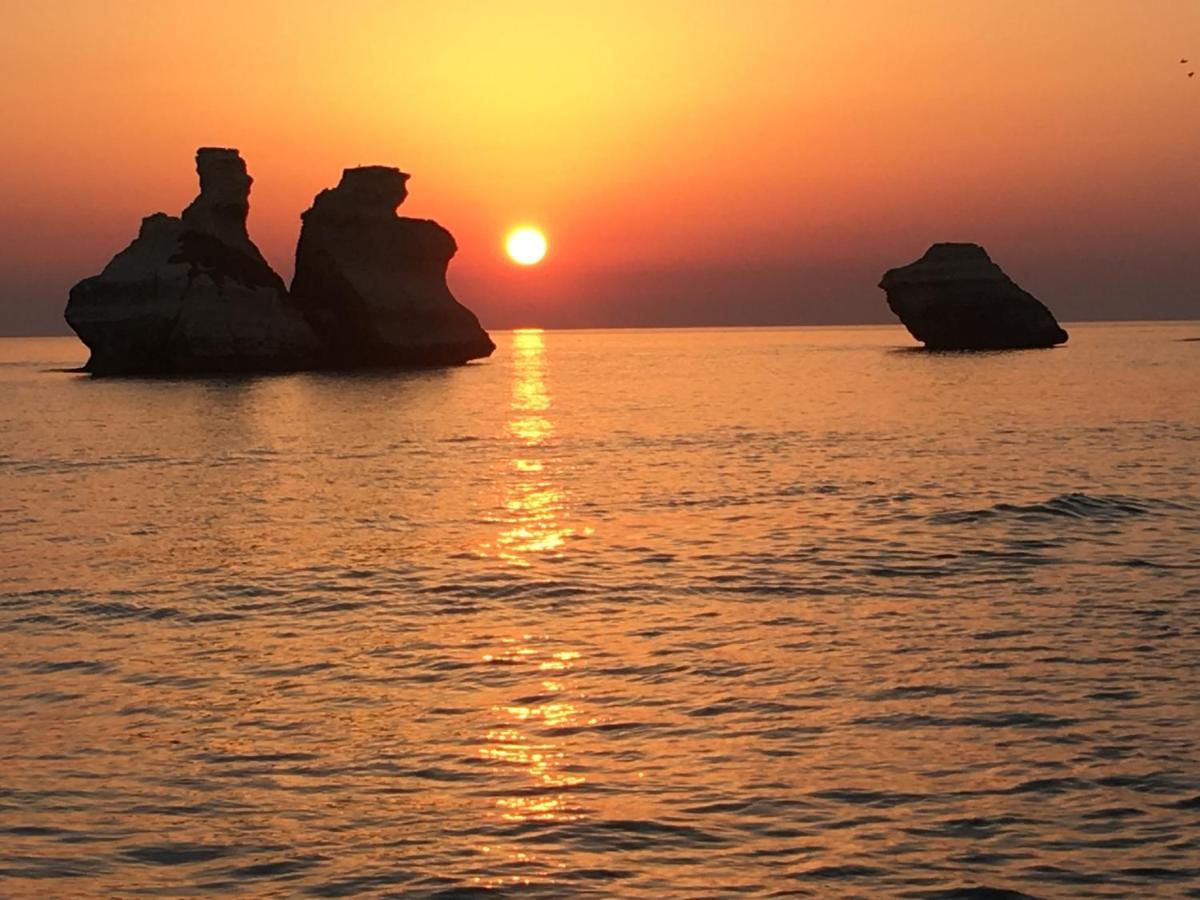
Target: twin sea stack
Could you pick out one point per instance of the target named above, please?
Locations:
(193, 293)
(955, 298)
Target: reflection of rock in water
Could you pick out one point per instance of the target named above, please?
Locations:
(535, 503)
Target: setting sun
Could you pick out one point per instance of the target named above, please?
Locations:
(526, 245)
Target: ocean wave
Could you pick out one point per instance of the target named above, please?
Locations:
(1081, 506)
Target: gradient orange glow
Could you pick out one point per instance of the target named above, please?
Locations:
(696, 162)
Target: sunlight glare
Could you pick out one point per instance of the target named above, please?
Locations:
(526, 245)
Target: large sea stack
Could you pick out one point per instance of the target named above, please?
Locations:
(955, 298)
(193, 294)
(373, 284)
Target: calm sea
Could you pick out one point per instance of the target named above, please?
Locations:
(784, 612)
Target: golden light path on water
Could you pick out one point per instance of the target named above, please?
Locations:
(533, 529)
(535, 502)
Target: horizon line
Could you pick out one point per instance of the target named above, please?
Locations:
(764, 326)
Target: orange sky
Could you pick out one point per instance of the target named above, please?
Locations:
(691, 162)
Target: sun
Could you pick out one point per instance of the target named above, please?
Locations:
(526, 245)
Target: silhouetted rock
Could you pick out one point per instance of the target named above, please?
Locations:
(955, 298)
(373, 284)
(192, 293)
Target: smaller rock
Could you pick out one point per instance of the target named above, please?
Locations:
(955, 298)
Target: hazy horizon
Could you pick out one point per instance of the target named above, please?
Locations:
(881, 322)
(690, 166)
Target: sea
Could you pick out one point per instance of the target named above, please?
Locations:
(787, 612)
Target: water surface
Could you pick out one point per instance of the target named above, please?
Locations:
(629, 613)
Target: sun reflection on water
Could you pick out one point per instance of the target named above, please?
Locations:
(535, 503)
(530, 741)
(520, 740)
(531, 735)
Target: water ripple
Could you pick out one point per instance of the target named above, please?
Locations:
(585, 621)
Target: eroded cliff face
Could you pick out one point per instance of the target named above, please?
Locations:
(192, 293)
(955, 298)
(373, 284)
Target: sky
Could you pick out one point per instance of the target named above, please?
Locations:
(692, 162)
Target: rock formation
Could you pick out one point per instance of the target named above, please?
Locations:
(373, 284)
(955, 298)
(193, 293)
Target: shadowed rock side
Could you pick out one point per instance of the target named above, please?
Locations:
(955, 298)
(192, 293)
(373, 284)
